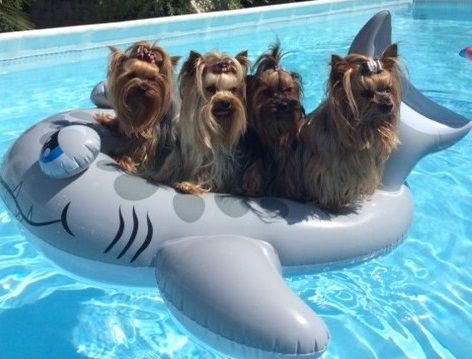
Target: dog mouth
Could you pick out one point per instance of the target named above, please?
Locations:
(386, 108)
(222, 109)
(282, 111)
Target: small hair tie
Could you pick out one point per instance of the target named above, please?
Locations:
(146, 55)
(221, 68)
(371, 67)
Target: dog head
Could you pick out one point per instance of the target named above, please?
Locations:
(140, 81)
(275, 111)
(367, 88)
(212, 88)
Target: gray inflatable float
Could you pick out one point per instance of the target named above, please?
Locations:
(218, 260)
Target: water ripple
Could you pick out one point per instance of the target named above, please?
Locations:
(131, 325)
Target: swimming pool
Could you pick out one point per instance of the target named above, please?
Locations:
(378, 309)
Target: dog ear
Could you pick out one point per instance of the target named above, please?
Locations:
(390, 51)
(389, 56)
(337, 61)
(174, 60)
(189, 65)
(116, 57)
(242, 58)
(338, 67)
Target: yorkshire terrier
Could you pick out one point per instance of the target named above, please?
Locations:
(212, 121)
(348, 138)
(140, 83)
(275, 114)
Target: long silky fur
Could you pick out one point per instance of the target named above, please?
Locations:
(347, 140)
(272, 170)
(208, 147)
(138, 115)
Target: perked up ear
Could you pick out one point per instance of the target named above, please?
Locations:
(335, 59)
(174, 60)
(339, 64)
(189, 65)
(389, 56)
(116, 57)
(391, 51)
(242, 58)
(338, 67)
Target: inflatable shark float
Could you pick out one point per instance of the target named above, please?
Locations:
(217, 260)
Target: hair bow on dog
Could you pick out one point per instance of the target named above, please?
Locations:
(221, 68)
(371, 67)
(146, 55)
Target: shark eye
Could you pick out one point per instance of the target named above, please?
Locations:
(367, 94)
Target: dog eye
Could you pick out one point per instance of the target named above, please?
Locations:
(210, 89)
(288, 89)
(384, 89)
(233, 89)
(367, 94)
(267, 92)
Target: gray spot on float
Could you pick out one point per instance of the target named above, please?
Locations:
(274, 207)
(133, 188)
(231, 206)
(188, 207)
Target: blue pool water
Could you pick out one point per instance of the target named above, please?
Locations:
(415, 302)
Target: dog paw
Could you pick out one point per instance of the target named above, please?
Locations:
(127, 164)
(105, 119)
(190, 188)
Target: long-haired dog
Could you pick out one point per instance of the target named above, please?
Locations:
(275, 114)
(140, 83)
(348, 138)
(212, 121)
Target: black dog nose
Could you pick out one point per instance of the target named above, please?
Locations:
(224, 105)
(283, 107)
(384, 98)
(143, 87)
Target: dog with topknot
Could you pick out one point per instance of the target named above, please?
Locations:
(275, 114)
(140, 84)
(348, 138)
(212, 121)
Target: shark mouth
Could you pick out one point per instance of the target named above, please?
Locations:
(28, 217)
